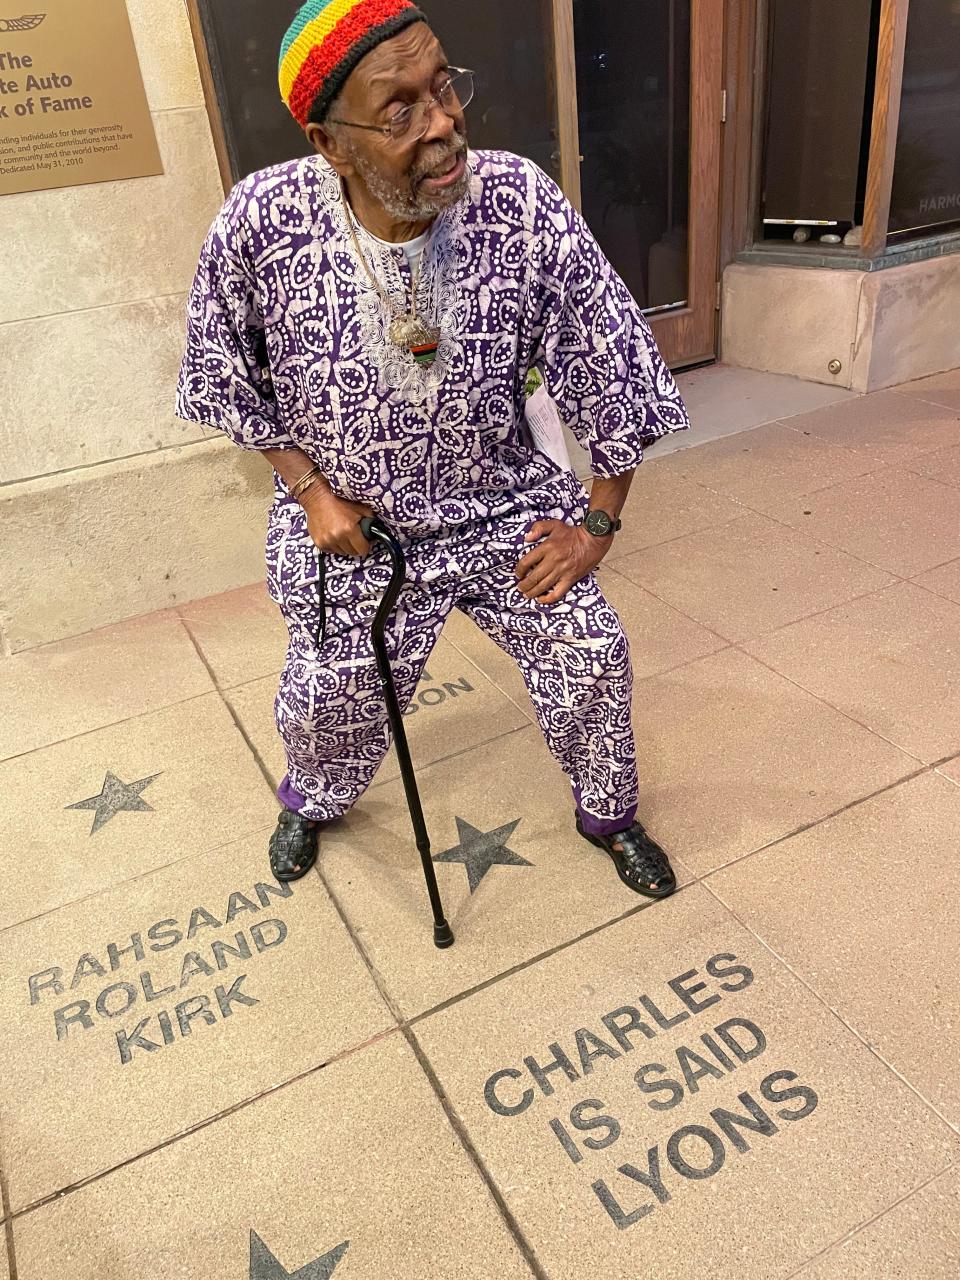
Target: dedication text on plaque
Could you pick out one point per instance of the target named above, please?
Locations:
(73, 108)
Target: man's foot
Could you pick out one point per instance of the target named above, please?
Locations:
(641, 864)
(293, 846)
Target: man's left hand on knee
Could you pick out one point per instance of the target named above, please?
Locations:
(564, 555)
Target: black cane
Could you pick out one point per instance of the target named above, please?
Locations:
(376, 531)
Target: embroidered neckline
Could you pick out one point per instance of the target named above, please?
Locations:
(439, 297)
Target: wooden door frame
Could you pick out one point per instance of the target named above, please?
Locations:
(745, 54)
(209, 85)
(891, 53)
(568, 115)
(690, 336)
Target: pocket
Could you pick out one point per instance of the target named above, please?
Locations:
(292, 559)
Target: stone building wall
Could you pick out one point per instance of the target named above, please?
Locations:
(110, 507)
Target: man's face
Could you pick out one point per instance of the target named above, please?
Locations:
(412, 180)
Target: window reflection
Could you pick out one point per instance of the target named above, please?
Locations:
(926, 185)
(633, 87)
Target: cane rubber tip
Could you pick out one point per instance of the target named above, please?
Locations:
(443, 936)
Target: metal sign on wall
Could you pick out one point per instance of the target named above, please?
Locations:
(73, 108)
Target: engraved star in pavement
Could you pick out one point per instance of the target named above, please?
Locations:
(264, 1266)
(481, 850)
(116, 797)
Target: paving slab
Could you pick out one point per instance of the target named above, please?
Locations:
(760, 468)
(724, 400)
(666, 1099)
(919, 1239)
(661, 637)
(944, 465)
(733, 756)
(665, 504)
(886, 425)
(942, 388)
(129, 1017)
(92, 680)
(944, 581)
(750, 576)
(951, 770)
(352, 1172)
(455, 708)
(241, 634)
(516, 878)
(252, 704)
(862, 907)
(898, 521)
(890, 661)
(110, 805)
(4, 1268)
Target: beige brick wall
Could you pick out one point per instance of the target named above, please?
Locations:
(92, 297)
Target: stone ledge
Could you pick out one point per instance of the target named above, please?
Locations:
(883, 327)
(93, 546)
(840, 258)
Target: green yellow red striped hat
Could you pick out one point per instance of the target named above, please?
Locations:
(325, 42)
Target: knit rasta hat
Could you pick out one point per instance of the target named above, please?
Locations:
(325, 42)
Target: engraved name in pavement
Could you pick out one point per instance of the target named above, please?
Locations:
(264, 1266)
(116, 797)
(569, 1079)
(143, 1008)
(435, 694)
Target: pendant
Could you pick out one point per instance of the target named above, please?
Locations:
(421, 340)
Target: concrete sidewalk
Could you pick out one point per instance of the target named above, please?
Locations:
(213, 1077)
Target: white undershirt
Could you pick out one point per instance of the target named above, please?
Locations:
(413, 249)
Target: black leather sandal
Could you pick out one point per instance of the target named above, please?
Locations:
(641, 864)
(293, 847)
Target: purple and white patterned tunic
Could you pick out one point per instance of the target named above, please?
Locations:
(288, 347)
(512, 276)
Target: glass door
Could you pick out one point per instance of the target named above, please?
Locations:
(633, 107)
(644, 93)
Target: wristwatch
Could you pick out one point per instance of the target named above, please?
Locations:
(601, 525)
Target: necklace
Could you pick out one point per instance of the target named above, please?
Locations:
(407, 330)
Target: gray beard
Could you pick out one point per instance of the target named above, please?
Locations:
(400, 199)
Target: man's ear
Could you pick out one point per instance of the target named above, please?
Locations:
(326, 143)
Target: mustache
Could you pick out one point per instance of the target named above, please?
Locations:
(437, 154)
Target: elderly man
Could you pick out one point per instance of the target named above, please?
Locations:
(367, 319)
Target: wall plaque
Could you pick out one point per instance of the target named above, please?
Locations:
(72, 104)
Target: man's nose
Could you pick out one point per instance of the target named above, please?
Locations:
(440, 126)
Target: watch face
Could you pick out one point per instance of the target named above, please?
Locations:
(599, 524)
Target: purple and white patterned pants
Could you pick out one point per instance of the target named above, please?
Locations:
(574, 656)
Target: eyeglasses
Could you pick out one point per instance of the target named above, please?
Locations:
(411, 122)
